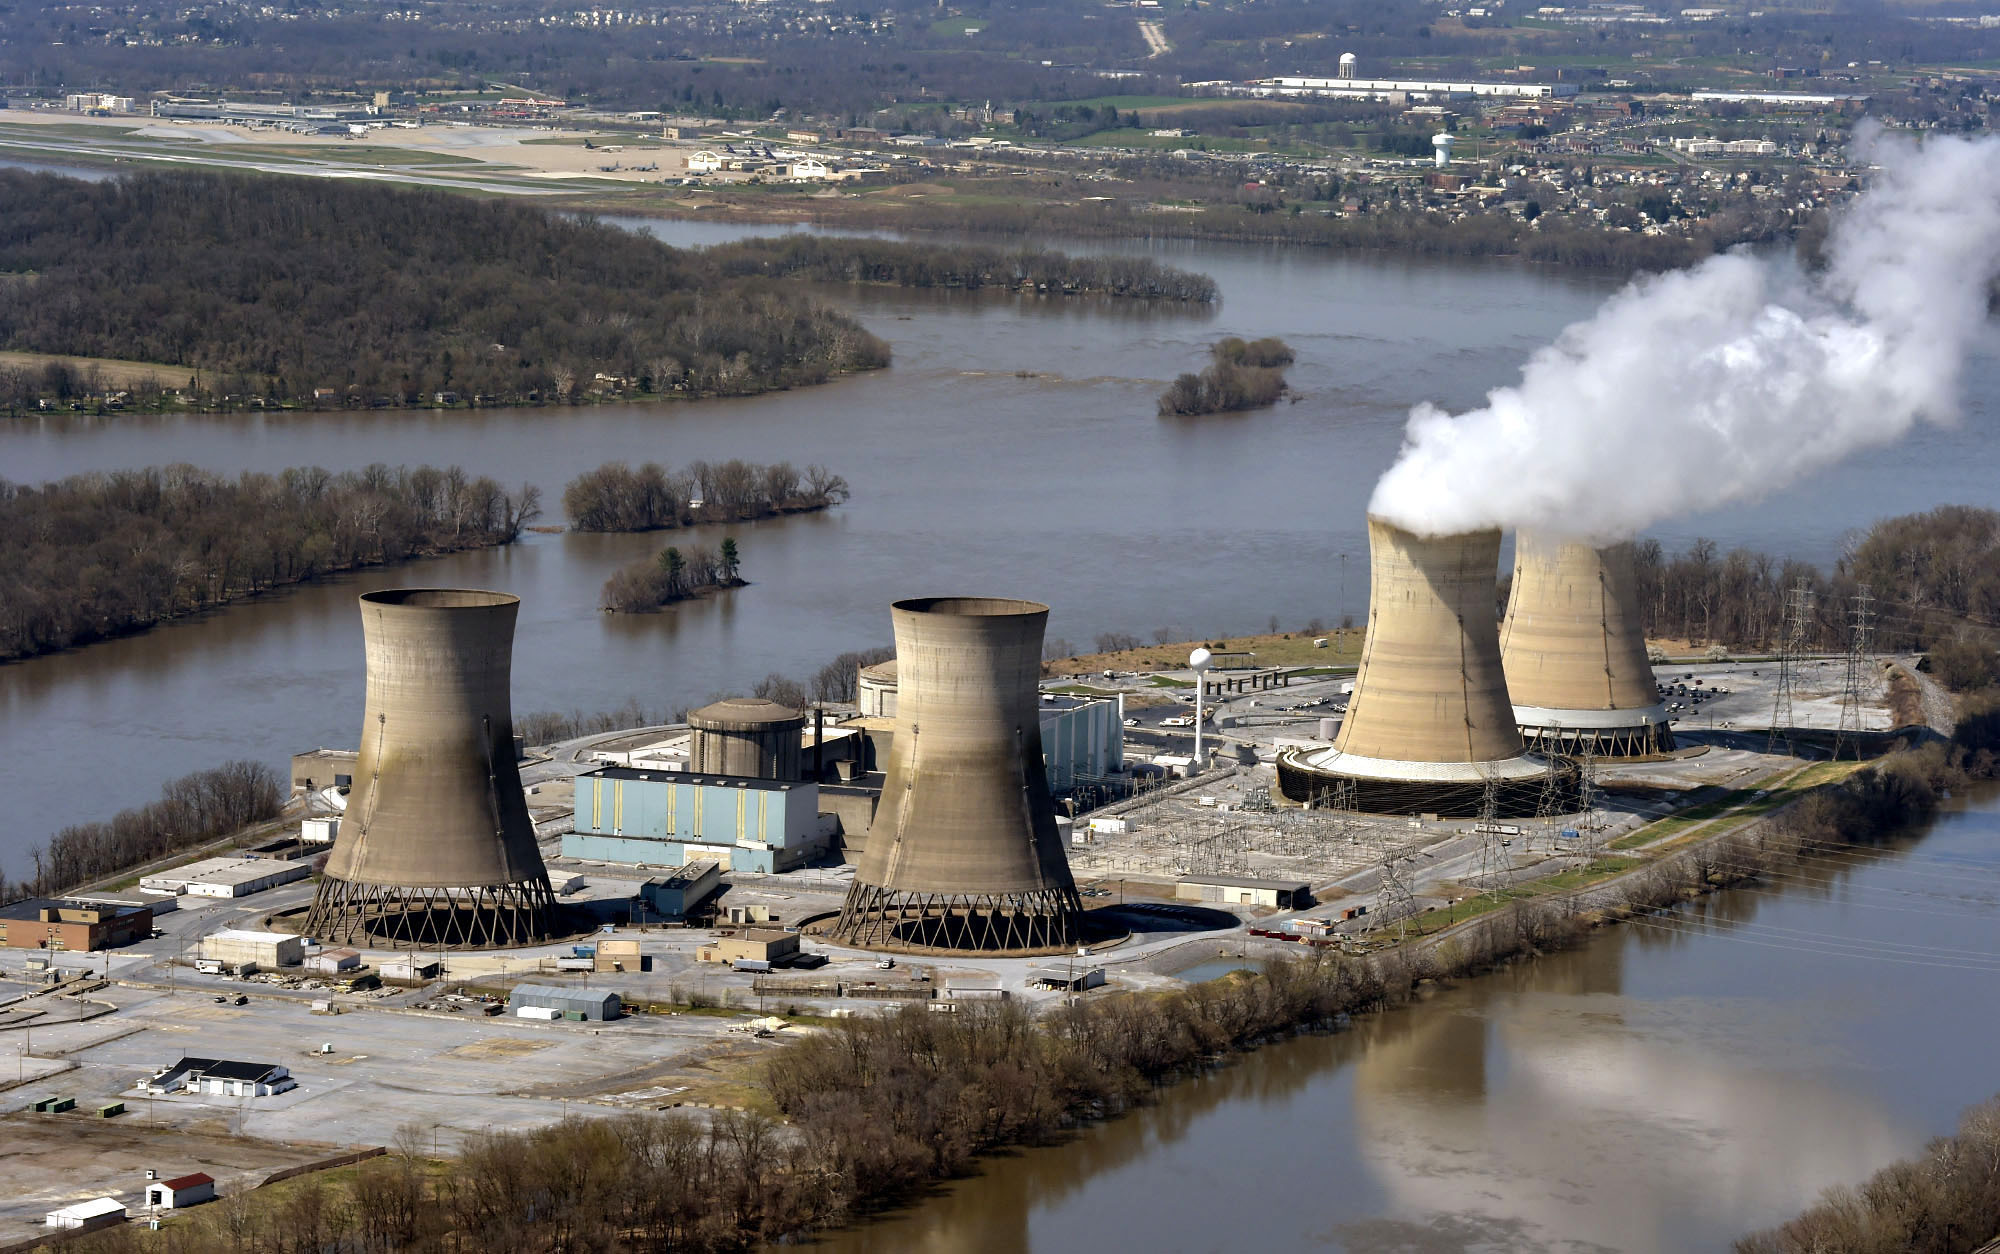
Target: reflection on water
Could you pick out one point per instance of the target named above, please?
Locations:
(1664, 1088)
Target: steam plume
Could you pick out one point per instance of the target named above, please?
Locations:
(1716, 384)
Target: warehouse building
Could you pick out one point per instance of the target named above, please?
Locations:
(773, 947)
(1244, 890)
(324, 768)
(221, 1077)
(98, 1212)
(267, 950)
(75, 926)
(668, 819)
(593, 1004)
(334, 961)
(225, 878)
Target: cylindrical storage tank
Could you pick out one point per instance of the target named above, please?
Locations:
(1429, 728)
(963, 853)
(1329, 728)
(436, 847)
(748, 737)
(1575, 653)
(875, 690)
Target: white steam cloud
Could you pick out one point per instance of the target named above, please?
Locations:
(1716, 384)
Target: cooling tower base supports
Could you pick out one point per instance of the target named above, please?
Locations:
(1642, 741)
(1519, 787)
(879, 918)
(488, 917)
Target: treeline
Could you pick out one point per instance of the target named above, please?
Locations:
(1242, 375)
(104, 554)
(325, 292)
(670, 577)
(834, 682)
(1934, 578)
(1946, 1201)
(192, 810)
(1045, 272)
(650, 497)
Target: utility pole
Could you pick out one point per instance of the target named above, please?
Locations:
(1798, 613)
(1860, 642)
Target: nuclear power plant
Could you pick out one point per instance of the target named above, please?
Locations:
(963, 853)
(1575, 655)
(746, 737)
(1430, 728)
(436, 847)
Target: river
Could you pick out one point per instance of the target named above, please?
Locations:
(1667, 1087)
(1012, 448)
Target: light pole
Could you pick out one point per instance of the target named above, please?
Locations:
(1198, 662)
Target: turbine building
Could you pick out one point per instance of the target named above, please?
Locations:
(436, 847)
(1575, 654)
(963, 853)
(1429, 728)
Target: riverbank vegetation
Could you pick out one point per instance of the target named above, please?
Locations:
(650, 497)
(1947, 1201)
(1043, 272)
(672, 576)
(313, 292)
(191, 811)
(1240, 375)
(101, 555)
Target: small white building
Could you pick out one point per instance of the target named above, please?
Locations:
(319, 831)
(809, 168)
(267, 950)
(704, 161)
(333, 961)
(180, 1192)
(220, 1077)
(98, 1212)
(411, 967)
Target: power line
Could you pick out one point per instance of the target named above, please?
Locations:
(1860, 639)
(1798, 612)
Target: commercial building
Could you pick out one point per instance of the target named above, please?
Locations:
(1812, 101)
(181, 1192)
(76, 926)
(751, 946)
(671, 897)
(1243, 890)
(593, 1004)
(268, 950)
(221, 1077)
(97, 102)
(225, 877)
(668, 819)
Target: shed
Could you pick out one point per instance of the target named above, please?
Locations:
(181, 1191)
(751, 946)
(593, 1004)
(1067, 980)
(98, 1212)
(410, 967)
(1244, 890)
(334, 961)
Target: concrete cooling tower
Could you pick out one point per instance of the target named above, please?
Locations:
(437, 848)
(1575, 655)
(963, 853)
(1429, 726)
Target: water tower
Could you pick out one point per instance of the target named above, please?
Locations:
(1347, 63)
(1442, 142)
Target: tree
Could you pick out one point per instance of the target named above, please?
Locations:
(672, 564)
(731, 562)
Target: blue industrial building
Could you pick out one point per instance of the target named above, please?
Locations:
(670, 818)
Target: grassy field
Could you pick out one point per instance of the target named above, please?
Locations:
(123, 374)
(1293, 648)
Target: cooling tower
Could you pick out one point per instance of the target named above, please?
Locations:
(748, 737)
(1429, 726)
(1574, 653)
(963, 852)
(436, 848)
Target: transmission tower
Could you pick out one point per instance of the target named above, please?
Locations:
(1798, 613)
(1394, 892)
(1860, 642)
(1491, 859)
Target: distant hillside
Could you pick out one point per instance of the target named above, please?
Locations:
(360, 294)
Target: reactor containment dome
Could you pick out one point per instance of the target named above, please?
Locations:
(1429, 728)
(963, 853)
(436, 848)
(1575, 654)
